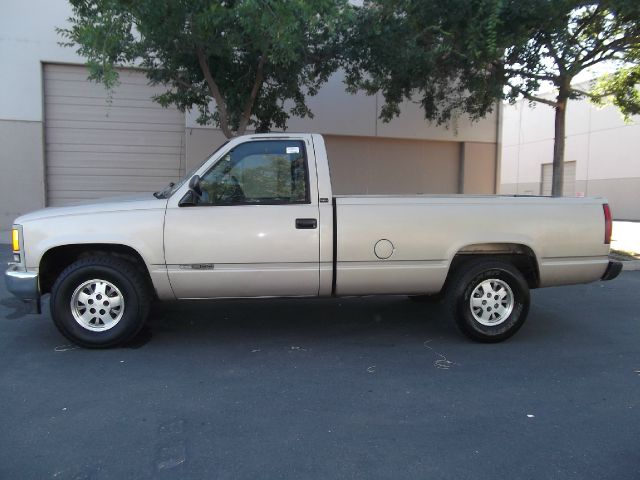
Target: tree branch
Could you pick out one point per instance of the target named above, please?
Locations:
(182, 82)
(581, 92)
(620, 45)
(535, 76)
(585, 22)
(215, 92)
(554, 53)
(591, 96)
(248, 106)
(533, 98)
(610, 52)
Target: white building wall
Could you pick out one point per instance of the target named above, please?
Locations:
(605, 148)
(29, 39)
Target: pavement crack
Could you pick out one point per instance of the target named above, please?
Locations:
(441, 363)
(171, 450)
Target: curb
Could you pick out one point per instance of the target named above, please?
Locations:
(630, 265)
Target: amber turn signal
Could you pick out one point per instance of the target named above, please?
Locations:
(15, 239)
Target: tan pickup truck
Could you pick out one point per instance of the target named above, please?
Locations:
(258, 219)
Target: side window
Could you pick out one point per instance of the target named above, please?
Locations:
(260, 172)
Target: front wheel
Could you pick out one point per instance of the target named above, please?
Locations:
(100, 302)
(489, 300)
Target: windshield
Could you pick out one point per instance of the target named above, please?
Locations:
(167, 191)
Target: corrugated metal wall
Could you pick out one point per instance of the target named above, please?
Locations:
(569, 186)
(96, 147)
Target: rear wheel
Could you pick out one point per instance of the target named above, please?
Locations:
(489, 300)
(100, 302)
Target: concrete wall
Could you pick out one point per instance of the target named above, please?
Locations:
(603, 145)
(28, 38)
(22, 185)
(479, 168)
(337, 112)
(392, 166)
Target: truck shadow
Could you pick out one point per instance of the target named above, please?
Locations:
(371, 320)
(378, 321)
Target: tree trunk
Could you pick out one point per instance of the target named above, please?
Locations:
(221, 105)
(558, 146)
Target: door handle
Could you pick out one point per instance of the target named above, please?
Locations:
(306, 223)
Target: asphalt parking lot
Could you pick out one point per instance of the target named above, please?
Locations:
(373, 388)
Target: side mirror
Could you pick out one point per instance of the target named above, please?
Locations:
(194, 185)
(188, 200)
(194, 193)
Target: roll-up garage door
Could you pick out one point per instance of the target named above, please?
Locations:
(100, 145)
(569, 185)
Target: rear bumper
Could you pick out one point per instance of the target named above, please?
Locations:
(613, 270)
(24, 285)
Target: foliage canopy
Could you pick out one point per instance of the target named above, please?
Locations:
(256, 59)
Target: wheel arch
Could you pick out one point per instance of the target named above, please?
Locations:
(56, 259)
(520, 255)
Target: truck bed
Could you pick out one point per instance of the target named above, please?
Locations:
(423, 234)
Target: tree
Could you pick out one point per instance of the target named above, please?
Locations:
(565, 39)
(432, 52)
(461, 56)
(257, 60)
(619, 87)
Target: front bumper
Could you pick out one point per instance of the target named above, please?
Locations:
(613, 270)
(24, 285)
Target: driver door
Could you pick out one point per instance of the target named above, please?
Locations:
(253, 231)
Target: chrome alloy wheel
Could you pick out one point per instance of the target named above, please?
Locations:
(97, 305)
(491, 302)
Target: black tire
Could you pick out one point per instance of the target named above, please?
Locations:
(462, 285)
(132, 284)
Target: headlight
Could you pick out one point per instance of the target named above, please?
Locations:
(15, 239)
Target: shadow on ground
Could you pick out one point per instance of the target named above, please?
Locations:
(350, 320)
